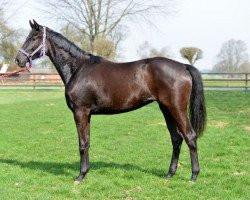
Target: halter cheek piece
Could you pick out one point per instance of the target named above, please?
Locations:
(42, 47)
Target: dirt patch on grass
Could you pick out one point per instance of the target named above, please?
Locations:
(156, 124)
(218, 124)
(132, 190)
(239, 173)
(50, 104)
(246, 110)
(247, 128)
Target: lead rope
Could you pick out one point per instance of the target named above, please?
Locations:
(16, 72)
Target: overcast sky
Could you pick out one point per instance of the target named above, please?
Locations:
(205, 24)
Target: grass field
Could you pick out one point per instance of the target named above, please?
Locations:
(130, 153)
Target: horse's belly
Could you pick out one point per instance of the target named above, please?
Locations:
(119, 105)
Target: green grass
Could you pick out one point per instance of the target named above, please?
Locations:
(130, 153)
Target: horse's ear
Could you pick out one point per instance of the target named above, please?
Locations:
(36, 25)
(31, 24)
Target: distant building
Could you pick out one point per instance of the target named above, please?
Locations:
(4, 68)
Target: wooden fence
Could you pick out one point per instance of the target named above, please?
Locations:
(238, 81)
(32, 81)
(53, 81)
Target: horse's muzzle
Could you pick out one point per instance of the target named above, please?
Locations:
(17, 61)
(21, 60)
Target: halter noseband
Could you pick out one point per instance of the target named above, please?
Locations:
(42, 47)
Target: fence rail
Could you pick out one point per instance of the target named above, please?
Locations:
(32, 81)
(53, 81)
(226, 80)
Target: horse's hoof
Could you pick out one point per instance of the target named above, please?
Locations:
(78, 179)
(192, 181)
(168, 176)
(194, 177)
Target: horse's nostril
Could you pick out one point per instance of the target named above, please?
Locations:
(17, 61)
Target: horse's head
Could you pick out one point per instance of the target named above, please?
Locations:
(34, 45)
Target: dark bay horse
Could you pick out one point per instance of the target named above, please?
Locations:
(94, 85)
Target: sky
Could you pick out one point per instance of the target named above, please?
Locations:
(205, 24)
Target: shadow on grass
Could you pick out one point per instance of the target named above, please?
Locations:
(68, 168)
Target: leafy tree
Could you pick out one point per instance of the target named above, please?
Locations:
(104, 48)
(192, 54)
(232, 57)
(146, 50)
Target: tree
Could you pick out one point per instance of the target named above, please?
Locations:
(232, 56)
(146, 50)
(73, 34)
(104, 48)
(9, 38)
(245, 67)
(192, 54)
(99, 19)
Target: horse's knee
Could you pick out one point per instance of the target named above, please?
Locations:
(191, 138)
(83, 148)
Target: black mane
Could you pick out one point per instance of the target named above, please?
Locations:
(94, 59)
(73, 49)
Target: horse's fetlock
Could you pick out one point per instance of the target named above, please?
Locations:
(196, 171)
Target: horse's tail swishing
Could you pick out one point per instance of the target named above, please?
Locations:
(197, 108)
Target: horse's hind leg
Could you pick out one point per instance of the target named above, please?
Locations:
(176, 139)
(190, 137)
(178, 111)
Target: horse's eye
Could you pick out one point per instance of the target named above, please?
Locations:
(33, 39)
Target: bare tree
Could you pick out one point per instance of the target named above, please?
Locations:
(73, 34)
(192, 54)
(101, 18)
(232, 56)
(146, 50)
(5, 4)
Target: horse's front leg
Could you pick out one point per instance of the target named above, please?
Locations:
(82, 119)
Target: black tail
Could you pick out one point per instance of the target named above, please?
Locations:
(197, 108)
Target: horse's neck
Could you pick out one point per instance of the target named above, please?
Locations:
(63, 65)
(64, 62)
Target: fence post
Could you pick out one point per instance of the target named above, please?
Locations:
(246, 81)
(34, 82)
